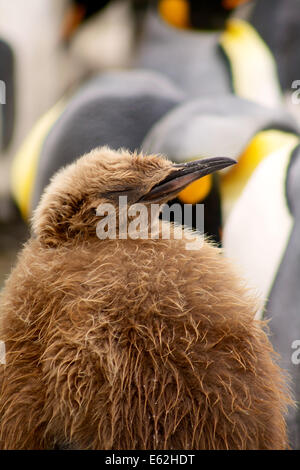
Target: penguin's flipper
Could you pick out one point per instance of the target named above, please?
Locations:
(283, 307)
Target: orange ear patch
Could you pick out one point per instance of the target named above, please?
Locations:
(175, 12)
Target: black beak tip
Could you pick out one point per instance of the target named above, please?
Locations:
(184, 174)
(230, 161)
(206, 165)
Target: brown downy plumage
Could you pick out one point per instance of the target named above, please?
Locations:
(131, 344)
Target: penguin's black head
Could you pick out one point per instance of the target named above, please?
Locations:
(198, 14)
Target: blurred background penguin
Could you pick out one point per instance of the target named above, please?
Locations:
(205, 49)
(197, 46)
(282, 34)
(186, 78)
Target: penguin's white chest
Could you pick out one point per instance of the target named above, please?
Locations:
(258, 228)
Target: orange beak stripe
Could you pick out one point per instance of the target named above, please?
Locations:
(230, 4)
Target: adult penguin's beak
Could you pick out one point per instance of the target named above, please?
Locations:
(182, 175)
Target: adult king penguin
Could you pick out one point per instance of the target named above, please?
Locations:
(202, 46)
(134, 343)
(282, 309)
(206, 51)
(241, 129)
(266, 218)
(278, 23)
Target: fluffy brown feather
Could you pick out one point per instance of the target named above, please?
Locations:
(130, 344)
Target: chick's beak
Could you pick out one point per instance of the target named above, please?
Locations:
(184, 174)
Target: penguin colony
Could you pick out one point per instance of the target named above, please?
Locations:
(131, 344)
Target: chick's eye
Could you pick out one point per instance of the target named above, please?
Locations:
(126, 190)
(119, 191)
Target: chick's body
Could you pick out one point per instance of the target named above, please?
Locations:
(135, 344)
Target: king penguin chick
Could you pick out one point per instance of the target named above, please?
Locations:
(131, 343)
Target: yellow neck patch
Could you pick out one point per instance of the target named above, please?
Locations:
(253, 68)
(25, 162)
(265, 142)
(234, 180)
